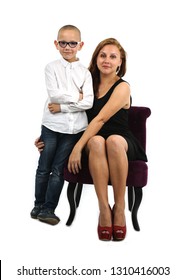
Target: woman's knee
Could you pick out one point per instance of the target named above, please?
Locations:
(116, 144)
(96, 144)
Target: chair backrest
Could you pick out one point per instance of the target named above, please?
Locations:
(137, 123)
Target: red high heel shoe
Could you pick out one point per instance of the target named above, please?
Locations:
(119, 232)
(105, 233)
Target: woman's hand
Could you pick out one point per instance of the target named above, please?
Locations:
(74, 162)
(39, 144)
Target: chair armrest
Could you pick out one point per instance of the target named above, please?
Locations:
(138, 112)
(137, 122)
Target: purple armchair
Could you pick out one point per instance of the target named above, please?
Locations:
(137, 172)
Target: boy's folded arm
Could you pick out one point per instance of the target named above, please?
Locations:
(87, 100)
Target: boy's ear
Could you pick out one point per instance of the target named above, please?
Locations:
(56, 44)
(81, 45)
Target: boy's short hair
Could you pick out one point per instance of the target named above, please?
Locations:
(69, 27)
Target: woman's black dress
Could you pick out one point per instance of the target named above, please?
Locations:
(117, 124)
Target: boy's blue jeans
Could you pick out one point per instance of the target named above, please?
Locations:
(49, 178)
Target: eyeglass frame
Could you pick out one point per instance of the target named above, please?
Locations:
(68, 43)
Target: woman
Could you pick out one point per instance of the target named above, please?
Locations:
(107, 139)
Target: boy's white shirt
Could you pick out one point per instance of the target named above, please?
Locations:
(64, 82)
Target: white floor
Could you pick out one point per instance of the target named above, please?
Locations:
(30, 243)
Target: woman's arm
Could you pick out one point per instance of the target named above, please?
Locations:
(119, 99)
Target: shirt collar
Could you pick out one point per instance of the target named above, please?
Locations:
(70, 64)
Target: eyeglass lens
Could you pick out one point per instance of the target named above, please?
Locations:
(63, 44)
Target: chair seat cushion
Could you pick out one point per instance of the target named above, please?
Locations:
(137, 175)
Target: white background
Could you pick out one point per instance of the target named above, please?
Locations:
(153, 34)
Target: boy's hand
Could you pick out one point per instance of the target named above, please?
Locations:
(80, 95)
(54, 108)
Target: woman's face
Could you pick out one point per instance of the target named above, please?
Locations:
(108, 59)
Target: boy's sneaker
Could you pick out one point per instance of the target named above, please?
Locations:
(35, 211)
(47, 216)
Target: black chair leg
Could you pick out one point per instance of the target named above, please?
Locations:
(130, 198)
(78, 193)
(137, 201)
(71, 199)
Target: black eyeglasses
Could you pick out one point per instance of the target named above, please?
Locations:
(72, 44)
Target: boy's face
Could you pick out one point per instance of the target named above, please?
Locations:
(69, 52)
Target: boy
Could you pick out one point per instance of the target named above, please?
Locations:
(70, 93)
